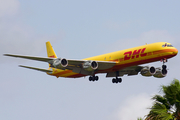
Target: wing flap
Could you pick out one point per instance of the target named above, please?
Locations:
(72, 64)
(101, 64)
(105, 64)
(134, 70)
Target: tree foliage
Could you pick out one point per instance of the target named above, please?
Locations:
(166, 107)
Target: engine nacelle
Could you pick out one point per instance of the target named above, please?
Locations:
(160, 73)
(60, 63)
(148, 71)
(90, 65)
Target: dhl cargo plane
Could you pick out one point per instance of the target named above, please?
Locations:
(115, 64)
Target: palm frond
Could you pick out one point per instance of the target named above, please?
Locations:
(166, 107)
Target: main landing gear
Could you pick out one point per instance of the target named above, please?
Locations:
(93, 78)
(117, 80)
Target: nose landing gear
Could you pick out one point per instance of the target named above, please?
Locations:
(164, 67)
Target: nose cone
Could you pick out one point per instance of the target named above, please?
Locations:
(175, 52)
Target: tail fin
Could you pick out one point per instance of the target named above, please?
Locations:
(50, 50)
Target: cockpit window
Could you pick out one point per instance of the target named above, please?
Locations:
(167, 45)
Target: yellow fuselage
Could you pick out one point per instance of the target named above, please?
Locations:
(126, 58)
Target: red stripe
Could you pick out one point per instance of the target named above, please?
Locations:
(76, 76)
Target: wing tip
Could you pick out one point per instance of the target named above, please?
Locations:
(5, 54)
(8, 55)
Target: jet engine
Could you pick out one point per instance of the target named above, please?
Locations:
(160, 73)
(148, 71)
(90, 65)
(59, 63)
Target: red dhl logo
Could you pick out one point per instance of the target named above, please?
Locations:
(53, 56)
(135, 54)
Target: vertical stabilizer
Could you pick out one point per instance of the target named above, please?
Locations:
(50, 50)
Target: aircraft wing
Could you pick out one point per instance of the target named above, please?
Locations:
(78, 66)
(43, 59)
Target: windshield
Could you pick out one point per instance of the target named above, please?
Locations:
(167, 45)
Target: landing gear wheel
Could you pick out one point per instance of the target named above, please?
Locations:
(93, 78)
(96, 78)
(164, 71)
(90, 78)
(116, 80)
(113, 80)
(119, 80)
(164, 67)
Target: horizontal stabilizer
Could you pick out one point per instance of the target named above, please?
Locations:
(43, 59)
(39, 69)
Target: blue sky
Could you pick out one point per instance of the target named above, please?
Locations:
(80, 29)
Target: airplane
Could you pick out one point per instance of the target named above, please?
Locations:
(115, 64)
